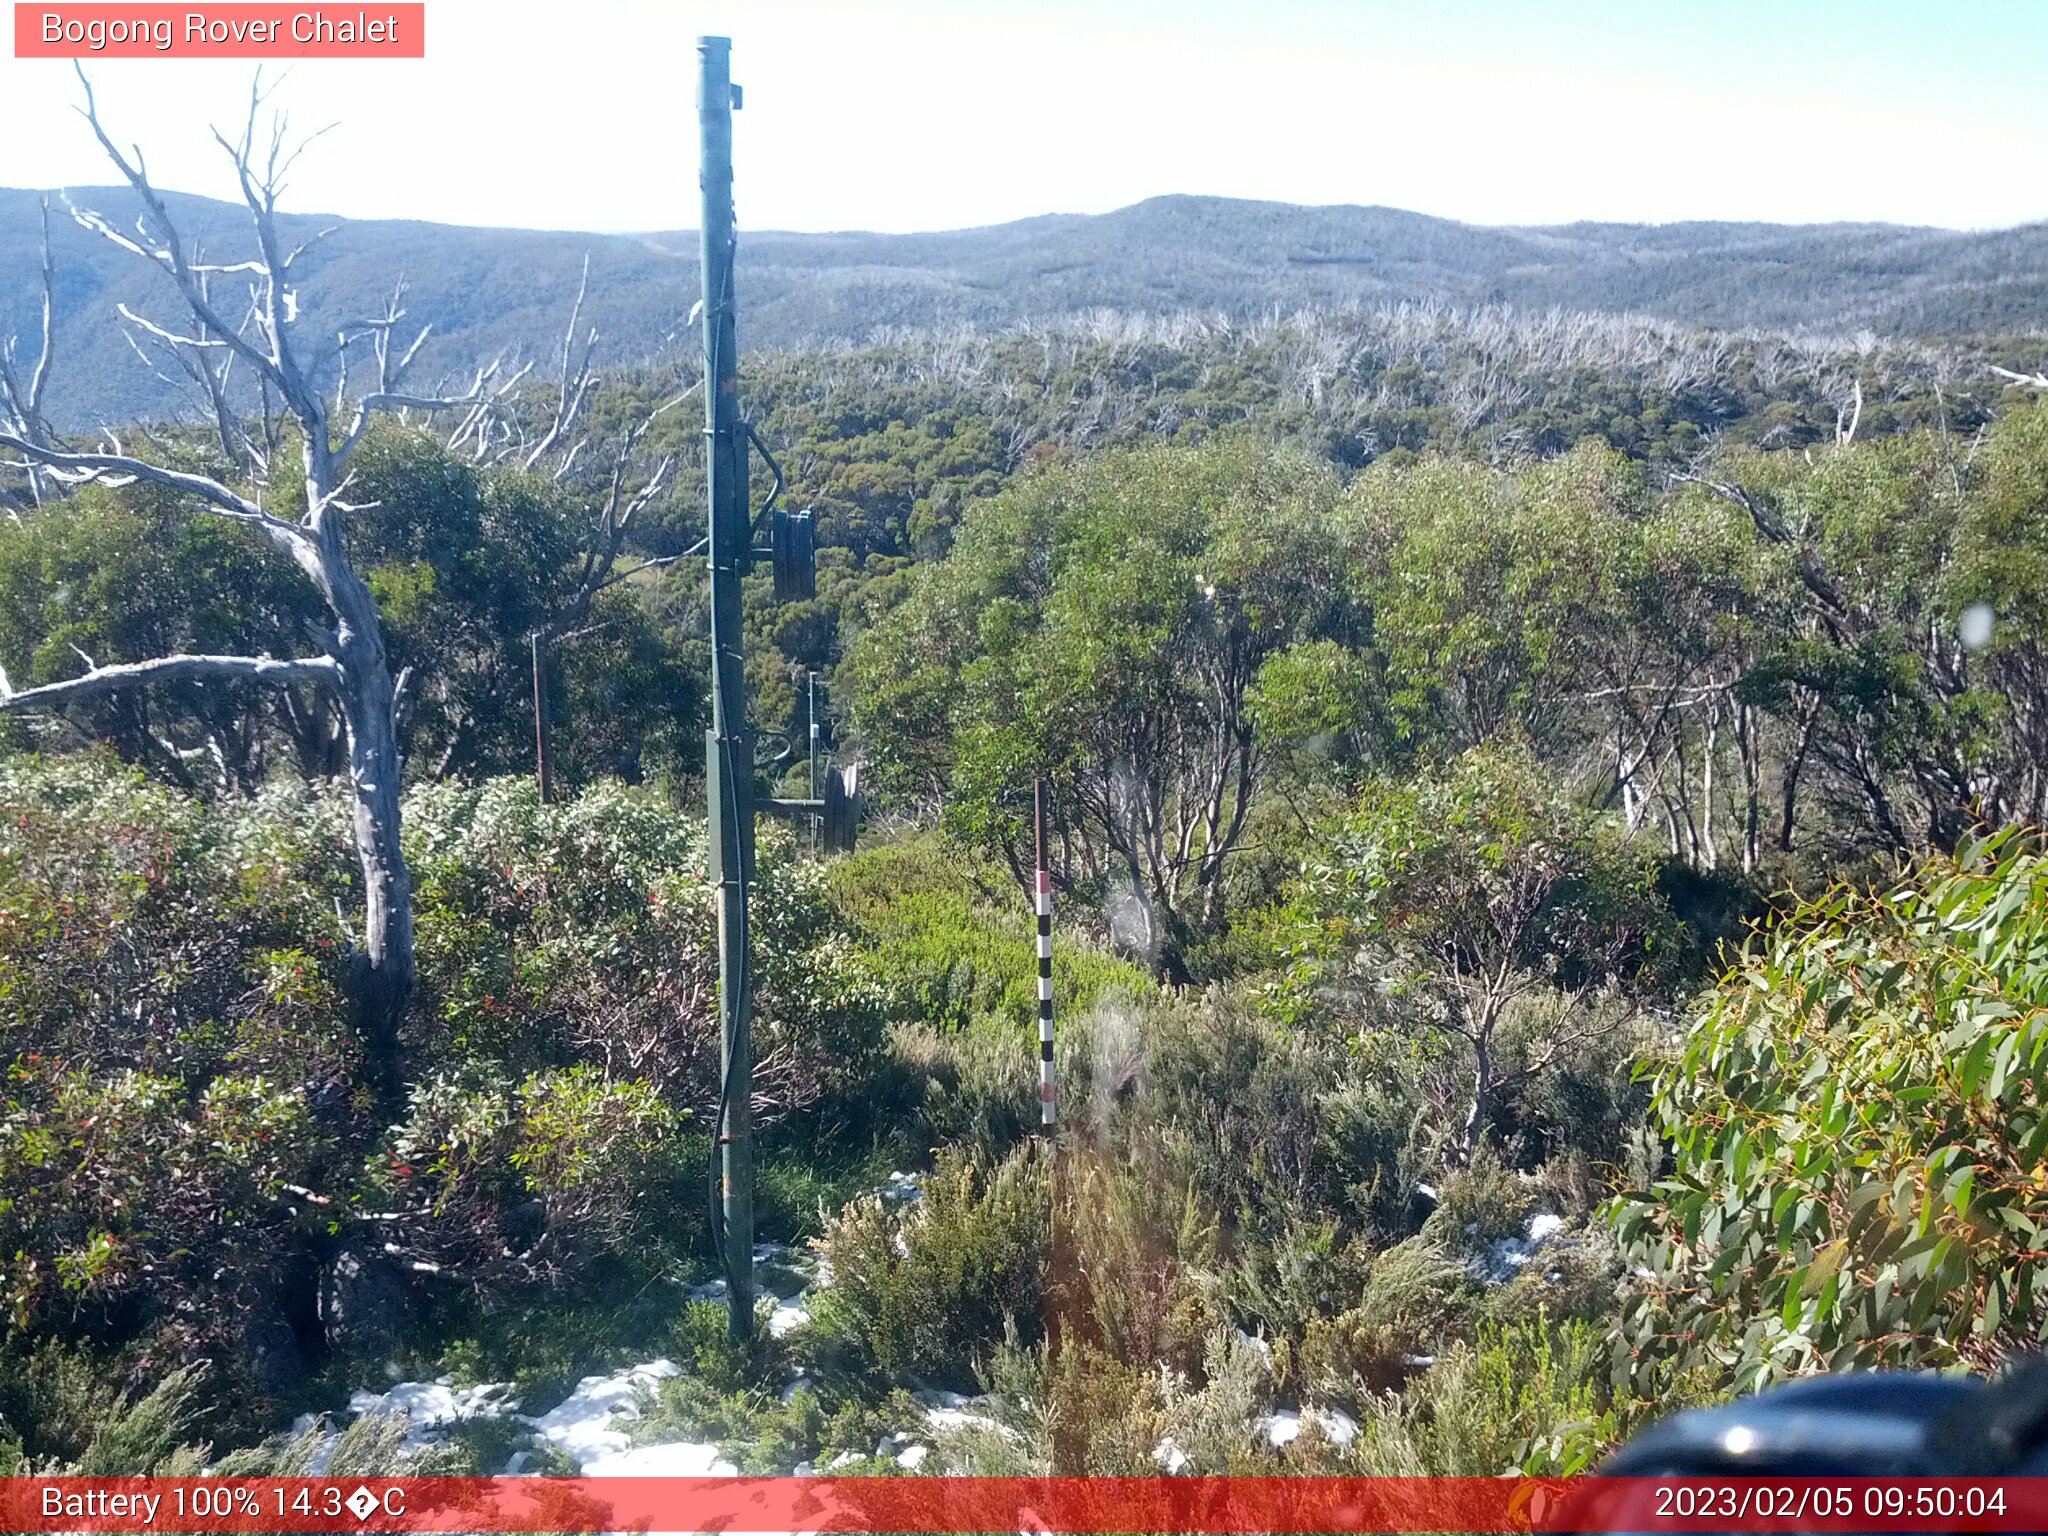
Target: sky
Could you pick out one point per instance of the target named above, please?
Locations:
(941, 114)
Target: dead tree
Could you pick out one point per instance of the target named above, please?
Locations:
(21, 400)
(350, 661)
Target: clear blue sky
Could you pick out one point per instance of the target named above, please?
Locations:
(926, 114)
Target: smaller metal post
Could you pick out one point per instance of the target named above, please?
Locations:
(1044, 905)
(543, 769)
(811, 715)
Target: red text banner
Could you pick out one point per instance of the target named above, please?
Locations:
(1056, 1504)
(233, 31)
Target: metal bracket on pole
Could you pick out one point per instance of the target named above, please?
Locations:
(837, 809)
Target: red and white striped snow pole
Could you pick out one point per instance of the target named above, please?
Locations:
(1043, 902)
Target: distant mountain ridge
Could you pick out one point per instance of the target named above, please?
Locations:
(490, 291)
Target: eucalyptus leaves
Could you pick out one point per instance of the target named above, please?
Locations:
(1858, 1125)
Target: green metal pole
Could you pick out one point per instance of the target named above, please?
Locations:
(730, 747)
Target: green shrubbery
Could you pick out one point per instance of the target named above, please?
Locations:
(1447, 782)
(1529, 1396)
(924, 1291)
(187, 1166)
(1858, 1115)
(952, 934)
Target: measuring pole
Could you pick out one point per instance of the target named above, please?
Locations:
(729, 746)
(1044, 895)
(811, 715)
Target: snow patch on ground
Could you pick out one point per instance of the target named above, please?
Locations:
(1506, 1257)
(787, 1315)
(316, 1464)
(1283, 1426)
(956, 1410)
(906, 1187)
(583, 1426)
(580, 1426)
(431, 1406)
(586, 1426)
(792, 1310)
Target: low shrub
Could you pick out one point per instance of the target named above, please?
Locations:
(923, 1290)
(1415, 1299)
(528, 1181)
(1136, 1256)
(60, 1416)
(1528, 1397)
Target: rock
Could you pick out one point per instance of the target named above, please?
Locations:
(271, 1358)
(364, 1303)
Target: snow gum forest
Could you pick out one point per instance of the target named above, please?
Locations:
(1544, 813)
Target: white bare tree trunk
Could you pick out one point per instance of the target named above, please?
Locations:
(352, 660)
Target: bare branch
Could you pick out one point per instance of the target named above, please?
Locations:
(171, 338)
(166, 669)
(224, 268)
(306, 245)
(277, 364)
(83, 468)
(41, 377)
(387, 400)
(609, 535)
(569, 392)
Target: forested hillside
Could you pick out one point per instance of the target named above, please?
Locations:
(1544, 811)
(489, 291)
